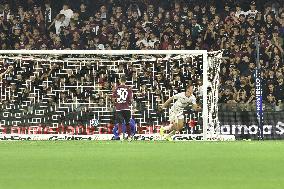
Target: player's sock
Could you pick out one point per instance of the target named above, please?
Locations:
(115, 132)
(119, 129)
(128, 130)
(132, 126)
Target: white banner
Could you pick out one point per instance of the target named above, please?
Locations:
(102, 137)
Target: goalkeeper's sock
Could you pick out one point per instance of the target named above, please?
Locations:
(162, 131)
(169, 136)
(172, 133)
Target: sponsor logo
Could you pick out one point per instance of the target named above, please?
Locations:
(54, 137)
(277, 129)
(187, 137)
(258, 94)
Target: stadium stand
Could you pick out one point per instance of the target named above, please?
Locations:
(141, 25)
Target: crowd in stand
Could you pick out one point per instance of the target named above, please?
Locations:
(165, 25)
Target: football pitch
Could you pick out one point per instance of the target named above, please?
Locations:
(141, 164)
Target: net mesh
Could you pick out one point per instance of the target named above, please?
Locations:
(74, 89)
(214, 62)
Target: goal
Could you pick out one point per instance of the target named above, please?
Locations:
(73, 87)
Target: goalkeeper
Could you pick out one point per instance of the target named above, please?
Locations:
(176, 116)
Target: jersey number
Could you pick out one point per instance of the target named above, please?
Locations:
(122, 95)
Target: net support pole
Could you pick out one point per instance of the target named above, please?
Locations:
(204, 96)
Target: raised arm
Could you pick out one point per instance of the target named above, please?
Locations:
(166, 104)
(53, 22)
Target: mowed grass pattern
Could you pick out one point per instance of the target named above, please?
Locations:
(141, 165)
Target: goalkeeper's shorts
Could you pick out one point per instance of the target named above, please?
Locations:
(174, 116)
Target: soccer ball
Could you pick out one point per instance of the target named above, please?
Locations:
(94, 122)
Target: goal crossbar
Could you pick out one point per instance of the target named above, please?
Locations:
(110, 52)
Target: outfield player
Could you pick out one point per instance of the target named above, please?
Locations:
(176, 117)
(122, 96)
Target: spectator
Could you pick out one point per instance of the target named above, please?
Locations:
(242, 96)
(84, 13)
(48, 14)
(6, 13)
(195, 28)
(68, 13)
(252, 11)
(59, 23)
(226, 96)
(279, 89)
(166, 26)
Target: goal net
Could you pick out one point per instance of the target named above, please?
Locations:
(65, 89)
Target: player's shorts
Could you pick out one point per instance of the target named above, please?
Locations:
(123, 116)
(174, 116)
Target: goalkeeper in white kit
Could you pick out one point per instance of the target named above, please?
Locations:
(176, 116)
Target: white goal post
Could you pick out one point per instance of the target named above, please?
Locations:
(211, 66)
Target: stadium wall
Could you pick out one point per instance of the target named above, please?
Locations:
(241, 124)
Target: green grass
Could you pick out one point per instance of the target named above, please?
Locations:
(157, 165)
